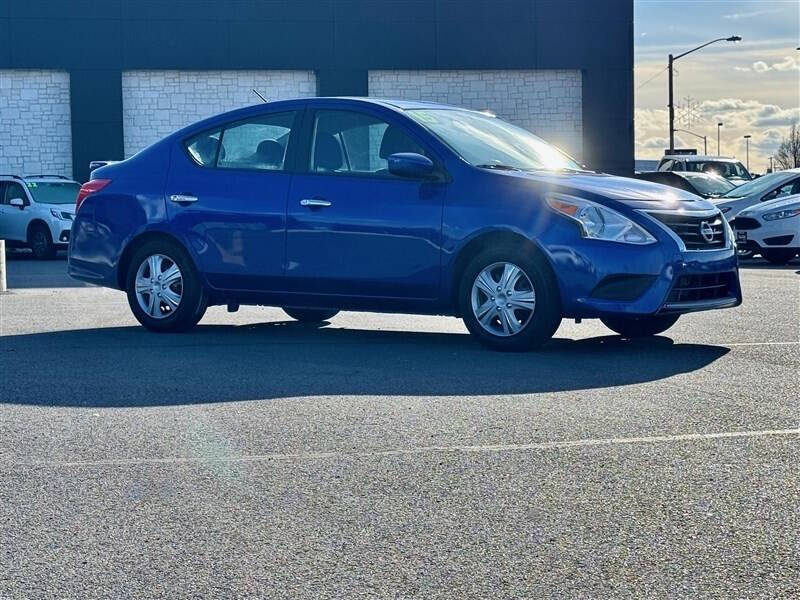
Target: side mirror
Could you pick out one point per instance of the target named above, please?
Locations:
(410, 164)
(18, 202)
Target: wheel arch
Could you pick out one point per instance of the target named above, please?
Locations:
(486, 240)
(137, 242)
(37, 223)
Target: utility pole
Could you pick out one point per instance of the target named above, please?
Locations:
(719, 126)
(671, 110)
(734, 38)
(747, 141)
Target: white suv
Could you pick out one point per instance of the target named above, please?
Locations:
(37, 212)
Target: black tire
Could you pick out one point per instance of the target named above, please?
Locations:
(636, 327)
(546, 316)
(194, 298)
(310, 315)
(41, 243)
(778, 256)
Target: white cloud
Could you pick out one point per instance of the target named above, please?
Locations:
(742, 69)
(749, 15)
(767, 123)
(788, 63)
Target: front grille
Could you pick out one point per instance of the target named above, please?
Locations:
(690, 229)
(691, 288)
(745, 223)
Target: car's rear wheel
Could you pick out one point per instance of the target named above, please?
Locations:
(41, 243)
(310, 315)
(509, 299)
(636, 327)
(778, 256)
(163, 287)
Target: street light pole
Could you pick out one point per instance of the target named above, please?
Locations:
(672, 59)
(719, 126)
(702, 137)
(747, 141)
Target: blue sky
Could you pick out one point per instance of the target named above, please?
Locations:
(752, 87)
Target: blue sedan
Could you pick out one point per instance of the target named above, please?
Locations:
(328, 204)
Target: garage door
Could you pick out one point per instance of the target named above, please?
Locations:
(35, 128)
(157, 103)
(548, 103)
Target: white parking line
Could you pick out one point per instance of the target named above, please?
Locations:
(412, 451)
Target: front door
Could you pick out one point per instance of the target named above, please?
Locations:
(227, 192)
(13, 220)
(354, 229)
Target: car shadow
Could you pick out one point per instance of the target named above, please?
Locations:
(128, 366)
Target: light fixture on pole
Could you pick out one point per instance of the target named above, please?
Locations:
(719, 126)
(747, 141)
(672, 59)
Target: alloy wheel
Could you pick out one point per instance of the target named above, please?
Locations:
(159, 286)
(503, 299)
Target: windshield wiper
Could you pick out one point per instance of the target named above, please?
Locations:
(499, 167)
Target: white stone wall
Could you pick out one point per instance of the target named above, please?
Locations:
(547, 103)
(35, 126)
(157, 103)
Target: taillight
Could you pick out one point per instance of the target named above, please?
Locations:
(90, 187)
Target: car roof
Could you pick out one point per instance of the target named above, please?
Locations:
(699, 157)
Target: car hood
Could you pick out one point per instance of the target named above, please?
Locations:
(635, 193)
(772, 206)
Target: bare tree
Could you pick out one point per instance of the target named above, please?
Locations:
(788, 153)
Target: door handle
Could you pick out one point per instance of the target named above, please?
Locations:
(314, 202)
(182, 198)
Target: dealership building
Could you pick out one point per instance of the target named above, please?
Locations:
(101, 79)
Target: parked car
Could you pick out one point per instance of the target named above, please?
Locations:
(771, 229)
(768, 187)
(328, 204)
(36, 212)
(705, 185)
(727, 167)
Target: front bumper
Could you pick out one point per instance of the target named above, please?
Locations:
(598, 279)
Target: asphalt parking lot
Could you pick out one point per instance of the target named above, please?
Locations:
(391, 456)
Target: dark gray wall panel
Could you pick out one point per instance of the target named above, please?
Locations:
(340, 39)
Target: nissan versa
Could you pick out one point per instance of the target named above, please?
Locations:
(327, 204)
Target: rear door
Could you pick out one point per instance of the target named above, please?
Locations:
(353, 228)
(226, 192)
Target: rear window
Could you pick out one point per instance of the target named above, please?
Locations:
(725, 169)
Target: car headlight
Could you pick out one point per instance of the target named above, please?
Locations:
(58, 214)
(599, 222)
(782, 214)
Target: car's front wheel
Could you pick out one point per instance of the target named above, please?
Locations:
(509, 299)
(163, 287)
(778, 256)
(41, 243)
(310, 315)
(635, 327)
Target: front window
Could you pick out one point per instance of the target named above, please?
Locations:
(485, 141)
(759, 186)
(716, 167)
(353, 142)
(53, 193)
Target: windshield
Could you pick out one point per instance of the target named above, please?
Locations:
(711, 186)
(725, 169)
(54, 193)
(757, 186)
(485, 141)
